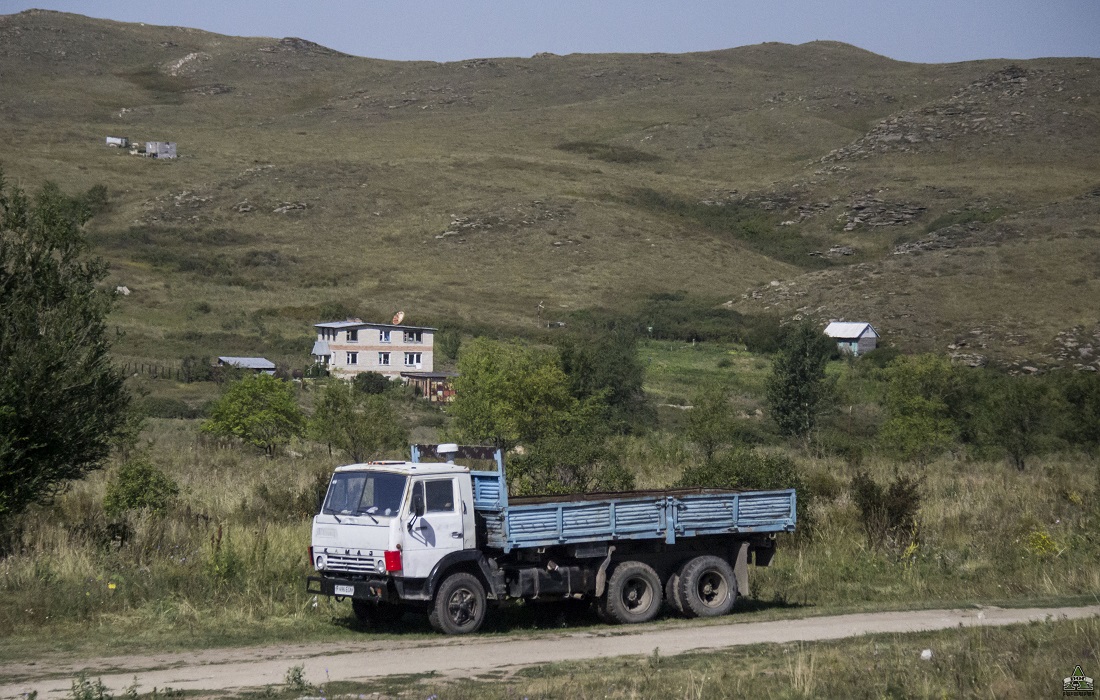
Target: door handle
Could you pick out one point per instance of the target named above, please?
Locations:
(456, 535)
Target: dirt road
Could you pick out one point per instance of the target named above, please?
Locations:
(231, 669)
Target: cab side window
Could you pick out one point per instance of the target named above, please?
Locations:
(440, 496)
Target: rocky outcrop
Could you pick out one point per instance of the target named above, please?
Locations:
(991, 107)
(870, 211)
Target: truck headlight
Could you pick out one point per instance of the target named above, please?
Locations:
(319, 562)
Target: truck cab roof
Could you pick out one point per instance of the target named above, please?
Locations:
(407, 468)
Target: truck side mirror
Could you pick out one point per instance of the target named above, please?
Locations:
(418, 503)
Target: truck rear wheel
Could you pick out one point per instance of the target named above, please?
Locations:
(707, 586)
(459, 605)
(634, 593)
(672, 593)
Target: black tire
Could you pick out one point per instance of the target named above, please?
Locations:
(459, 605)
(672, 593)
(634, 593)
(708, 587)
(600, 606)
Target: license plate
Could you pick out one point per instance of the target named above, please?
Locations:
(345, 590)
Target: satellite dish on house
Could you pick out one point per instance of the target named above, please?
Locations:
(398, 317)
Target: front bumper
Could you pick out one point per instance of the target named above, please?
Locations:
(375, 589)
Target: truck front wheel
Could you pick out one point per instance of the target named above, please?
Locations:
(707, 586)
(459, 606)
(634, 593)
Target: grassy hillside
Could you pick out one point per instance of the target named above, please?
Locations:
(820, 180)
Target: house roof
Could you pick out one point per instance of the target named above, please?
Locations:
(248, 362)
(321, 348)
(366, 324)
(846, 329)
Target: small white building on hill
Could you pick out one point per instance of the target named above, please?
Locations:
(855, 338)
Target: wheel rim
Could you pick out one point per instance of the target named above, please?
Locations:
(462, 606)
(637, 594)
(713, 589)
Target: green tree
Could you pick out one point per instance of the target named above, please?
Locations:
(362, 425)
(577, 461)
(797, 390)
(506, 395)
(605, 367)
(711, 422)
(1081, 396)
(922, 399)
(1020, 414)
(259, 409)
(62, 404)
(449, 343)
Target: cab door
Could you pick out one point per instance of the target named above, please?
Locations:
(439, 531)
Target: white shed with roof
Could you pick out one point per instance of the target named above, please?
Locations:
(855, 337)
(256, 364)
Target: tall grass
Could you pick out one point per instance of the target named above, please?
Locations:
(226, 563)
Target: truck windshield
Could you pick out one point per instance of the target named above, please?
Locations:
(374, 493)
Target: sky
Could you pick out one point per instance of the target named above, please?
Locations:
(926, 31)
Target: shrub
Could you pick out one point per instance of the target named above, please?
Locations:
(753, 469)
(370, 383)
(889, 514)
(282, 502)
(165, 407)
(577, 462)
(138, 484)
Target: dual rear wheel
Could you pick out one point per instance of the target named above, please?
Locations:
(703, 587)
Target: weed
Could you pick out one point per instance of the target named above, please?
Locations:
(295, 680)
(890, 514)
(84, 689)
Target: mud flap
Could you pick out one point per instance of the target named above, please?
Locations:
(741, 569)
(601, 575)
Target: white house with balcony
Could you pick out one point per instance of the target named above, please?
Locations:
(347, 348)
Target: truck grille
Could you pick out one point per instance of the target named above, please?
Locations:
(350, 563)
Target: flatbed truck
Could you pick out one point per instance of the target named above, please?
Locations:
(439, 537)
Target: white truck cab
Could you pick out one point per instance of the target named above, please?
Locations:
(393, 518)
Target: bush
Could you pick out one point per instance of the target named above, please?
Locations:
(889, 514)
(139, 484)
(283, 502)
(370, 383)
(571, 463)
(753, 470)
(165, 407)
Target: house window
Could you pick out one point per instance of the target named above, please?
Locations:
(353, 358)
(353, 336)
(414, 337)
(412, 359)
(383, 358)
(384, 337)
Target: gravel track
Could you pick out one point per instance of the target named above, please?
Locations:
(222, 670)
